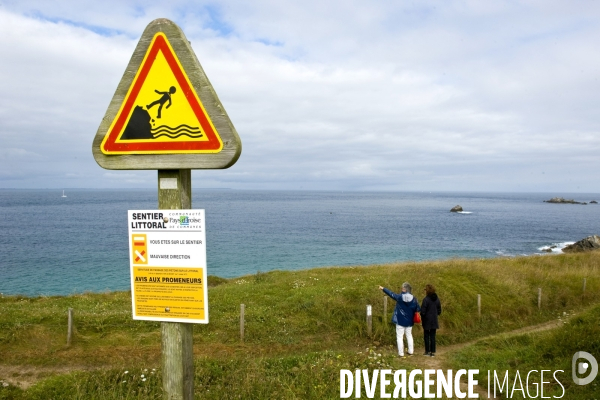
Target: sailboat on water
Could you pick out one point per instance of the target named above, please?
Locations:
(64, 195)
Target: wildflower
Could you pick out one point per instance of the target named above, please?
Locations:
(142, 376)
(126, 372)
(144, 380)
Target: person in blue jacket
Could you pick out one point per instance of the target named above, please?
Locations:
(404, 313)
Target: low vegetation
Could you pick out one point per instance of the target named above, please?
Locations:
(550, 350)
(302, 327)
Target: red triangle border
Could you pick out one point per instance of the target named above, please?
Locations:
(110, 145)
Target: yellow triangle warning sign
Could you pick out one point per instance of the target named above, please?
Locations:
(161, 112)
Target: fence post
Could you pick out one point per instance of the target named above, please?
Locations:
(384, 309)
(70, 327)
(242, 321)
(583, 291)
(369, 320)
(479, 305)
(539, 298)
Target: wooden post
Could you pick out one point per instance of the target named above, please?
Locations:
(369, 320)
(385, 309)
(175, 193)
(540, 298)
(70, 327)
(583, 291)
(479, 305)
(242, 320)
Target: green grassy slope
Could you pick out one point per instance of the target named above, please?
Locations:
(549, 350)
(301, 327)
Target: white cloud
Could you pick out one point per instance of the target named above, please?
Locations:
(348, 95)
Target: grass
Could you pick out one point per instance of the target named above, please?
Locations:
(302, 327)
(548, 350)
(313, 375)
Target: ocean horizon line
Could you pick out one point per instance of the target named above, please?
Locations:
(551, 193)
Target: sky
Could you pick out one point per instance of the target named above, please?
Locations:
(325, 95)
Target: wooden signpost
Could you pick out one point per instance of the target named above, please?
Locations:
(165, 115)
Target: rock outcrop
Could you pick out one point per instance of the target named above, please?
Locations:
(138, 126)
(560, 200)
(456, 208)
(549, 249)
(593, 202)
(588, 244)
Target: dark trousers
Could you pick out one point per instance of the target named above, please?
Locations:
(429, 340)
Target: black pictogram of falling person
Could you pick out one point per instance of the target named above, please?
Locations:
(166, 97)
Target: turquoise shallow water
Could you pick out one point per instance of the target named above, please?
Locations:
(53, 245)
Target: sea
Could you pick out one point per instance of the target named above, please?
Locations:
(54, 245)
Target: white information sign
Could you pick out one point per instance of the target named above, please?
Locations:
(167, 257)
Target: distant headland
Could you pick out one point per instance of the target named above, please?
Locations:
(560, 200)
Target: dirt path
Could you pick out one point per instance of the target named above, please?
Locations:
(25, 376)
(440, 360)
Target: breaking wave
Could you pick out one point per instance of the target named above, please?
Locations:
(554, 247)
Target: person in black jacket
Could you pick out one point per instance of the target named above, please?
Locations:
(430, 309)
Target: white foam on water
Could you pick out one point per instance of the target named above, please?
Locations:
(464, 212)
(555, 247)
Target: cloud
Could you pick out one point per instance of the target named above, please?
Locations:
(335, 95)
